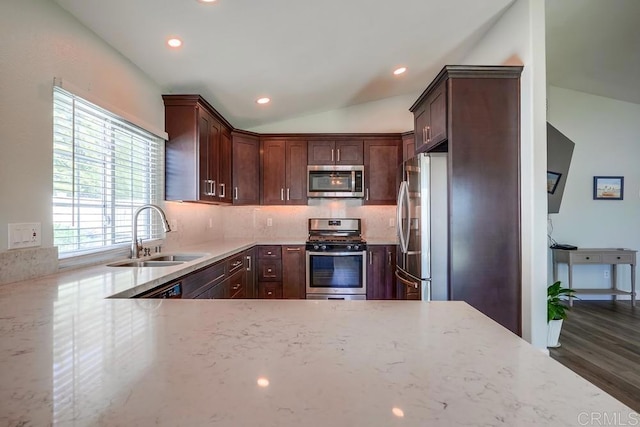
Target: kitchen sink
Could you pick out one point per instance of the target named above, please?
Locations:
(176, 257)
(145, 263)
(167, 260)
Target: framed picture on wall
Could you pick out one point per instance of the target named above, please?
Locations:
(553, 178)
(608, 187)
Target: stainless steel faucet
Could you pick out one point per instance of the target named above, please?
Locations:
(136, 246)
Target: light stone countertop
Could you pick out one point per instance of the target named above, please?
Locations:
(68, 356)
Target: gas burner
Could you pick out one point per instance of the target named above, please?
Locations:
(335, 235)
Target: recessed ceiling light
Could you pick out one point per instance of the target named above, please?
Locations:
(264, 100)
(399, 71)
(207, 1)
(174, 42)
(263, 382)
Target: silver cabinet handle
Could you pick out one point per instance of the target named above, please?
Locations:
(205, 182)
(235, 193)
(269, 293)
(248, 263)
(428, 133)
(389, 256)
(370, 257)
(367, 195)
(288, 194)
(236, 287)
(424, 134)
(338, 154)
(282, 194)
(237, 263)
(222, 191)
(269, 253)
(332, 154)
(213, 188)
(293, 249)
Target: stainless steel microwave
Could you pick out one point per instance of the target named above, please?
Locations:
(335, 181)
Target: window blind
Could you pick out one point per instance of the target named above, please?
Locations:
(103, 169)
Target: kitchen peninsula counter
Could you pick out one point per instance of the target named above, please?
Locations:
(70, 356)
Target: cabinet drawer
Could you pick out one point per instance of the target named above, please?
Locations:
(618, 259)
(194, 284)
(270, 290)
(269, 270)
(235, 263)
(237, 288)
(269, 252)
(586, 258)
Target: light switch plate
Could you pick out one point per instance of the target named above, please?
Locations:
(24, 235)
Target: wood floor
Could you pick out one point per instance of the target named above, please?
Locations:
(600, 341)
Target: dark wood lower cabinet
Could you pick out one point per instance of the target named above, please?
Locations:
(293, 272)
(381, 266)
(270, 290)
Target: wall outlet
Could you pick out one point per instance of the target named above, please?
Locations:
(606, 274)
(269, 222)
(24, 235)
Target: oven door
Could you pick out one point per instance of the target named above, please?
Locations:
(336, 273)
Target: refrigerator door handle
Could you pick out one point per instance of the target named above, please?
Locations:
(403, 204)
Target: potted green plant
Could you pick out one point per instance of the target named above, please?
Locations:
(556, 311)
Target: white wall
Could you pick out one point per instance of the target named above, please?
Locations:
(606, 133)
(387, 115)
(40, 41)
(518, 38)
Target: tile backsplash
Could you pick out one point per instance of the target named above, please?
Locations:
(200, 223)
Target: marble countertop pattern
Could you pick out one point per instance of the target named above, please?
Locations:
(71, 357)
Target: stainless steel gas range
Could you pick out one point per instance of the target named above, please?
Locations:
(336, 254)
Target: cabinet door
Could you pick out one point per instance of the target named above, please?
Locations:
(237, 285)
(273, 172)
(293, 272)
(250, 276)
(420, 123)
(381, 160)
(321, 152)
(269, 270)
(408, 145)
(205, 145)
(436, 108)
(213, 161)
(224, 167)
(296, 173)
(349, 152)
(246, 170)
(381, 269)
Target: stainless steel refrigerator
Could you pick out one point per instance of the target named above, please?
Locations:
(422, 225)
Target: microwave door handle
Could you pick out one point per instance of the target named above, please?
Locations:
(353, 181)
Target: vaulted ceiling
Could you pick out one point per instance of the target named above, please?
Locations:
(313, 56)
(307, 56)
(593, 46)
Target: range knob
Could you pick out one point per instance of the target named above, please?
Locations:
(349, 247)
(356, 247)
(316, 247)
(323, 247)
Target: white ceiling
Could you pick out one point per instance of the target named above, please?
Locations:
(593, 46)
(308, 56)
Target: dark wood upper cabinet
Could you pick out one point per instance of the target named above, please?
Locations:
(225, 164)
(482, 139)
(408, 145)
(381, 160)
(293, 272)
(430, 119)
(284, 172)
(340, 152)
(198, 152)
(246, 169)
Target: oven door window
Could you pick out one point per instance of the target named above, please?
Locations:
(336, 271)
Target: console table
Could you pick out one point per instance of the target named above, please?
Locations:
(612, 256)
